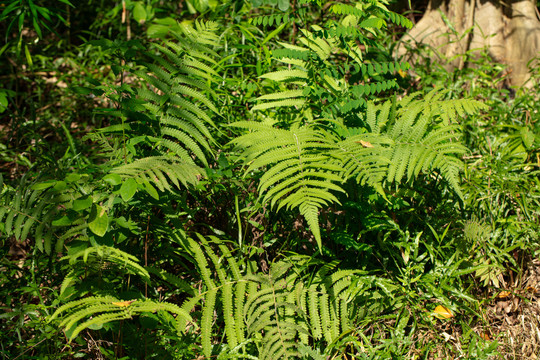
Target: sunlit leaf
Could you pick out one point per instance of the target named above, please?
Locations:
(124, 303)
(442, 312)
(98, 221)
(128, 189)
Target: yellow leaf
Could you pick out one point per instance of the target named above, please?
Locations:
(365, 144)
(442, 312)
(124, 303)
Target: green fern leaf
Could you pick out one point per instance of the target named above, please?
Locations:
(282, 75)
(207, 320)
(160, 170)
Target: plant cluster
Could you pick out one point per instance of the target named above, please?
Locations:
(253, 180)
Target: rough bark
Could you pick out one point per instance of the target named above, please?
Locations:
(510, 29)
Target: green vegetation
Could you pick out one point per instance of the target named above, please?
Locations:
(258, 179)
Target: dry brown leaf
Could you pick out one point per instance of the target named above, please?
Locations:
(485, 336)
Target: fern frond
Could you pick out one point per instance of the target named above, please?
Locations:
(291, 52)
(304, 176)
(29, 212)
(279, 307)
(171, 279)
(269, 310)
(104, 309)
(280, 103)
(98, 256)
(282, 75)
(160, 170)
(269, 20)
(207, 320)
(314, 314)
(178, 84)
(232, 291)
(413, 142)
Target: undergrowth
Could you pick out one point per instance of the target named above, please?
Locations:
(255, 180)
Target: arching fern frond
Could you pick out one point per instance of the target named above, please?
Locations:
(227, 288)
(99, 259)
(163, 171)
(280, 309)
(82, 314)
(409, 142)
(28, 208)
(31, 212)
(289, 312)
(298, 172)
(178, 77)
(271, 312)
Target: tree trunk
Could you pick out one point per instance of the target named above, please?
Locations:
(508, 28)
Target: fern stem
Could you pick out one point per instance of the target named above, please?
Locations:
(238, 220)
(146, 253)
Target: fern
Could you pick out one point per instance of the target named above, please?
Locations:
(81, 314)
(298, 173)
(271, 307)
(289, 313)
(173, 107)
(304, 166)
(266, 312)
(25, 209)
(412, 142)
(232, 300)
(32, 211)
(104, 309)
(98, 259)
(161, 171)
(175, 95)
(271, 20)
(280, 307)
(171, 279)
(175, 104)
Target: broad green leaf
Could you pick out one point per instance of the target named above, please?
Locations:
(98, 221)
(113, 179)
(63, 221)
(128, 189)
(527, 136)
(60, 185)
(82, 203)
(43, 185)
(72, 177)
(283, 5)
(139, 13)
